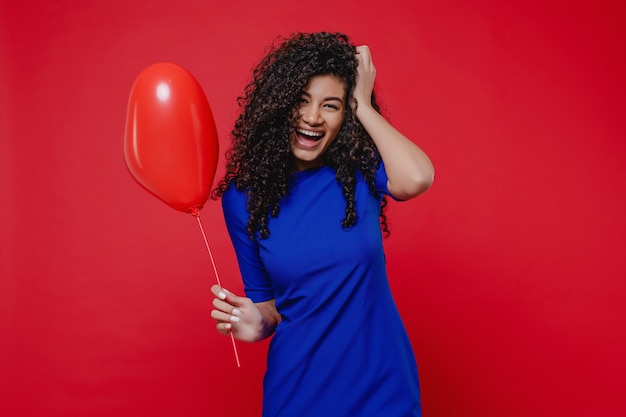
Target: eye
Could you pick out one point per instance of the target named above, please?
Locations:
(332, 106)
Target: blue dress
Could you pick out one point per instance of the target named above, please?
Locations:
(340, 349)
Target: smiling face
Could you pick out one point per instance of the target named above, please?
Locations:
(321, 112)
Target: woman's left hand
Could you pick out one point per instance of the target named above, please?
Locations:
(366, 74)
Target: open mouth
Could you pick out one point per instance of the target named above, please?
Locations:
(309, 134)
(308, 139)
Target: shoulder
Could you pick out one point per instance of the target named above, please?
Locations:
(234, 203)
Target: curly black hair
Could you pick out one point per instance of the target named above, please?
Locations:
(260, 159)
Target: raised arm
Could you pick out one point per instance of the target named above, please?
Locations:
(409, 169)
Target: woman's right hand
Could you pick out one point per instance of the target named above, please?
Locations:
(240, 316)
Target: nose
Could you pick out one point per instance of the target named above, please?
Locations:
(311, 115)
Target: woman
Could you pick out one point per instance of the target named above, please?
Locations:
(310, 164)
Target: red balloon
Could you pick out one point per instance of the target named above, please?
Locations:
(170, 142)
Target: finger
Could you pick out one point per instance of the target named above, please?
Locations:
(223, 294)
(365, 57)
(220, 316)
(222, 305)
(363, 52)
(226, 307)
(225, 317)
(223, 328)
(218, 292)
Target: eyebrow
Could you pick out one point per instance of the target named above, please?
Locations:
(331, 98)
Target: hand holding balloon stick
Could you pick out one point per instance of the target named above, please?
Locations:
(170, 142)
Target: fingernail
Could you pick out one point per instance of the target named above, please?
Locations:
(234, 319)
(236, 312)
(228, 325)
(221, 295)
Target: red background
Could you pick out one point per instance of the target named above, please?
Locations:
(509, 272)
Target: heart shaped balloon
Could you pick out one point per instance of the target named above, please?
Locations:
(170, 142)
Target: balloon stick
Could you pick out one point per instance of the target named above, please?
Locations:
(217, 277)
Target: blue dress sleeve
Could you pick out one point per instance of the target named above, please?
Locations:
(381, 181)
(257, 284)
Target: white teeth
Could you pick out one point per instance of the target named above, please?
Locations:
(311, 133)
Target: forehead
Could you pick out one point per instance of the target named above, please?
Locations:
(326, 85)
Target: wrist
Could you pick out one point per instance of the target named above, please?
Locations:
(363, 109)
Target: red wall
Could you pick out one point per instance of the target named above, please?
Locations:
(509, 273)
